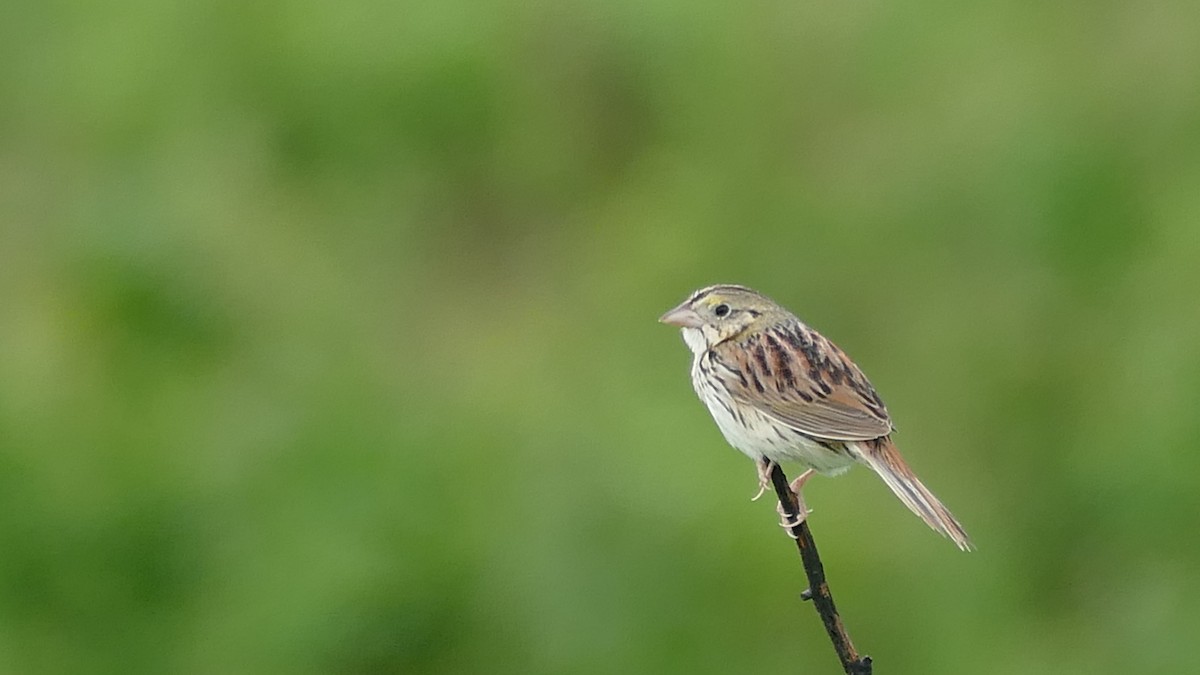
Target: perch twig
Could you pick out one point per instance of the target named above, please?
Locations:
(818, 588)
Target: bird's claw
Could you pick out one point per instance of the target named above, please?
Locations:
(765, 468)
(790, 522)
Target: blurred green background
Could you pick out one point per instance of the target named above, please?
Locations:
(328, 340)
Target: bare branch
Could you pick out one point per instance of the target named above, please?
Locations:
(818, 588)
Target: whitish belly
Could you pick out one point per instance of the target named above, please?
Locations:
(757, 435)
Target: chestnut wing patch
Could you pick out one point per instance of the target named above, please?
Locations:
(802, 379)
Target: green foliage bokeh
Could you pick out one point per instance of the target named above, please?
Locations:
(328, 341)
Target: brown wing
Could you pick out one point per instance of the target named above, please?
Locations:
(802, 379)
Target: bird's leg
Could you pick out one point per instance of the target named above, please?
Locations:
(787, 522)
(765, 467)
(801, 480)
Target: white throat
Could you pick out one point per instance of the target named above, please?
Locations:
(694, 337)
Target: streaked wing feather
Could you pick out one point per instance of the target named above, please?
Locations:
(802, 379)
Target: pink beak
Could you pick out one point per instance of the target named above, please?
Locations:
(682, 316)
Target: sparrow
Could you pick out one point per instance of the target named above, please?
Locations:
(780, 391)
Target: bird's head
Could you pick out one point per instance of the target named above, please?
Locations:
(723, 312)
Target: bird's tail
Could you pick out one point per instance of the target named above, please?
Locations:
(881, 455)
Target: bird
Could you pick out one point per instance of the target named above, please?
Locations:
(780, 391)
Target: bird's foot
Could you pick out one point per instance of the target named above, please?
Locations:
(791, 521)
(765, 467)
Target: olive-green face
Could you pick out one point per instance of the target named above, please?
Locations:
(720, 312)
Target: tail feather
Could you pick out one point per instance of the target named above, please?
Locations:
(883, 458)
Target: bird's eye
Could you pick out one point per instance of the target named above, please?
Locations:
(721, 310)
